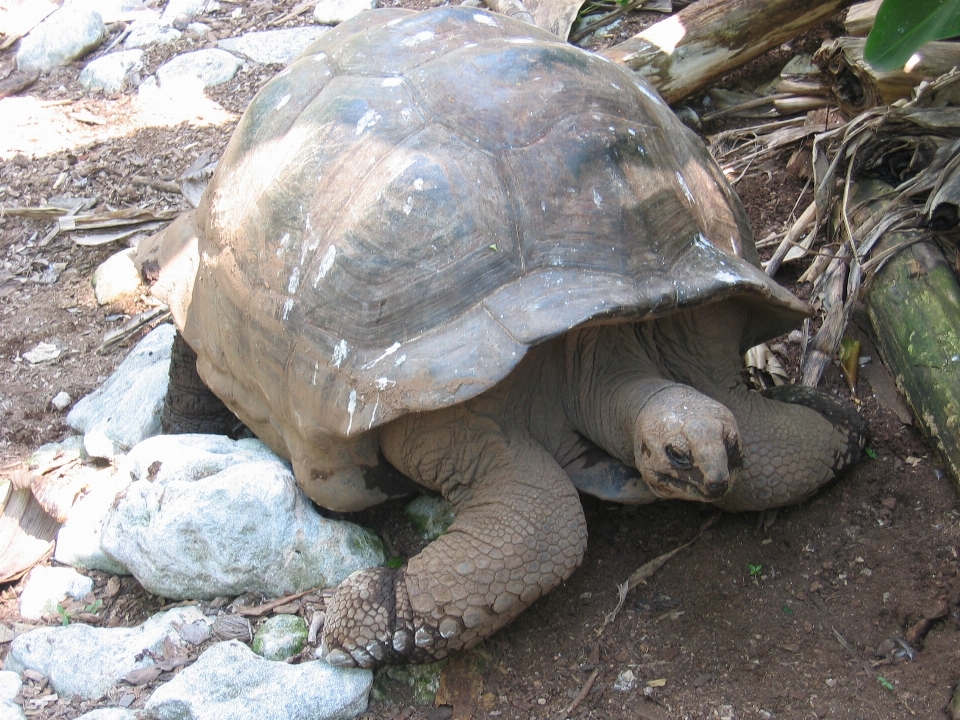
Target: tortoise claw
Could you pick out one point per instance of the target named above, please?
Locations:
(338, 657)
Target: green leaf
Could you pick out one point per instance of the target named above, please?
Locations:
(902, 26)
(870, 453)
(395, 562)
(787, 610)
(886, 683)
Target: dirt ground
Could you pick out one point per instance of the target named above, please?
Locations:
(804, 613)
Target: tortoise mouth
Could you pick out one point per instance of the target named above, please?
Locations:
(690, 485)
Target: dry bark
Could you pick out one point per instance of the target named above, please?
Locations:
(708, 39)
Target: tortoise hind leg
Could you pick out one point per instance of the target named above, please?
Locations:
(519, 532)
(190, 406)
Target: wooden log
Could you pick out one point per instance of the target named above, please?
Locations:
(914, 305)
(707, 39)
(858, 87)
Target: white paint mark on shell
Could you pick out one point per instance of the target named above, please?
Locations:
(294, 282)
(597, 198)
(386, 353)
(392, 82)
(408, 205)
(418, 184)
(421, 37)
(287, 307)
(351, 408)
(485, 20)
(283, 101)
(282, 245)
(384, 383)
(326, 263)
(316, 370)
(400, 361)
(369, 119)
(340, 352)
(684, 187)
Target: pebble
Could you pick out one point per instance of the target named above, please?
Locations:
(47, 587)
(626, 681)
(109, 74)
(43, 352)
(273, 47)
(230, 681)
(333, 12)
(190, 72)
(147, 32)
(65, 35)
(280, 637)
(61, 401)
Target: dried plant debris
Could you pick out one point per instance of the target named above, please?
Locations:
(913, 147)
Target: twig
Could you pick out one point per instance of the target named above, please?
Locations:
(164, 185)
(266, 607)
(581, 696)
(748, 105)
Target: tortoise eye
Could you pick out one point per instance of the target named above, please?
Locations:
(680, 459)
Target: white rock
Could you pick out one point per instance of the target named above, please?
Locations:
(273, 47)
(9, 687)
(247, 528)
(193, 71)
(280, 637)
(198, 28)
(626, 681)
(42, 352)
(87, 662)
(115, 10)
(126, 409)
(78, 540)
(108, 73)
(166, 458)
(332, 12)
(230, 681)
(67, 34)
(46, 587)
(117, 277)
(181, 12)
(111, 713)
(147, 32)
(61, 401)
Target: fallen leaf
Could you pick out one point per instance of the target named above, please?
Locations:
(143, 675)
(657, 683)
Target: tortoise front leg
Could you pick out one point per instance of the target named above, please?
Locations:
(519, 532)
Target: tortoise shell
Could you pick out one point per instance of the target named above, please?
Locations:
(420, 198)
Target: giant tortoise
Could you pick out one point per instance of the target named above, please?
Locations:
(447, 247)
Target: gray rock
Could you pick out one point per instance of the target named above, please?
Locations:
(246, 528)
(108, 74)
(46, 587)
(67, 34)
(195, 70)
(78, 540)
(332, 12)
(87, 662)
(230, 681)
(430, 516)
(273, 47)
(166, 458)
(149, 32)
(126, 408)
(280, 637)
(9, 687)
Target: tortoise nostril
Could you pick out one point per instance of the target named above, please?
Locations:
(717, 488)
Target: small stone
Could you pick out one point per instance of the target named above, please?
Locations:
(280, 637)
(430, 516)
(626, 681)
(43, 352)
(6, 634)
(109, 73)
(193, 71)
(333, 12)
(61, 401)
(146, 32)
(47, 587)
